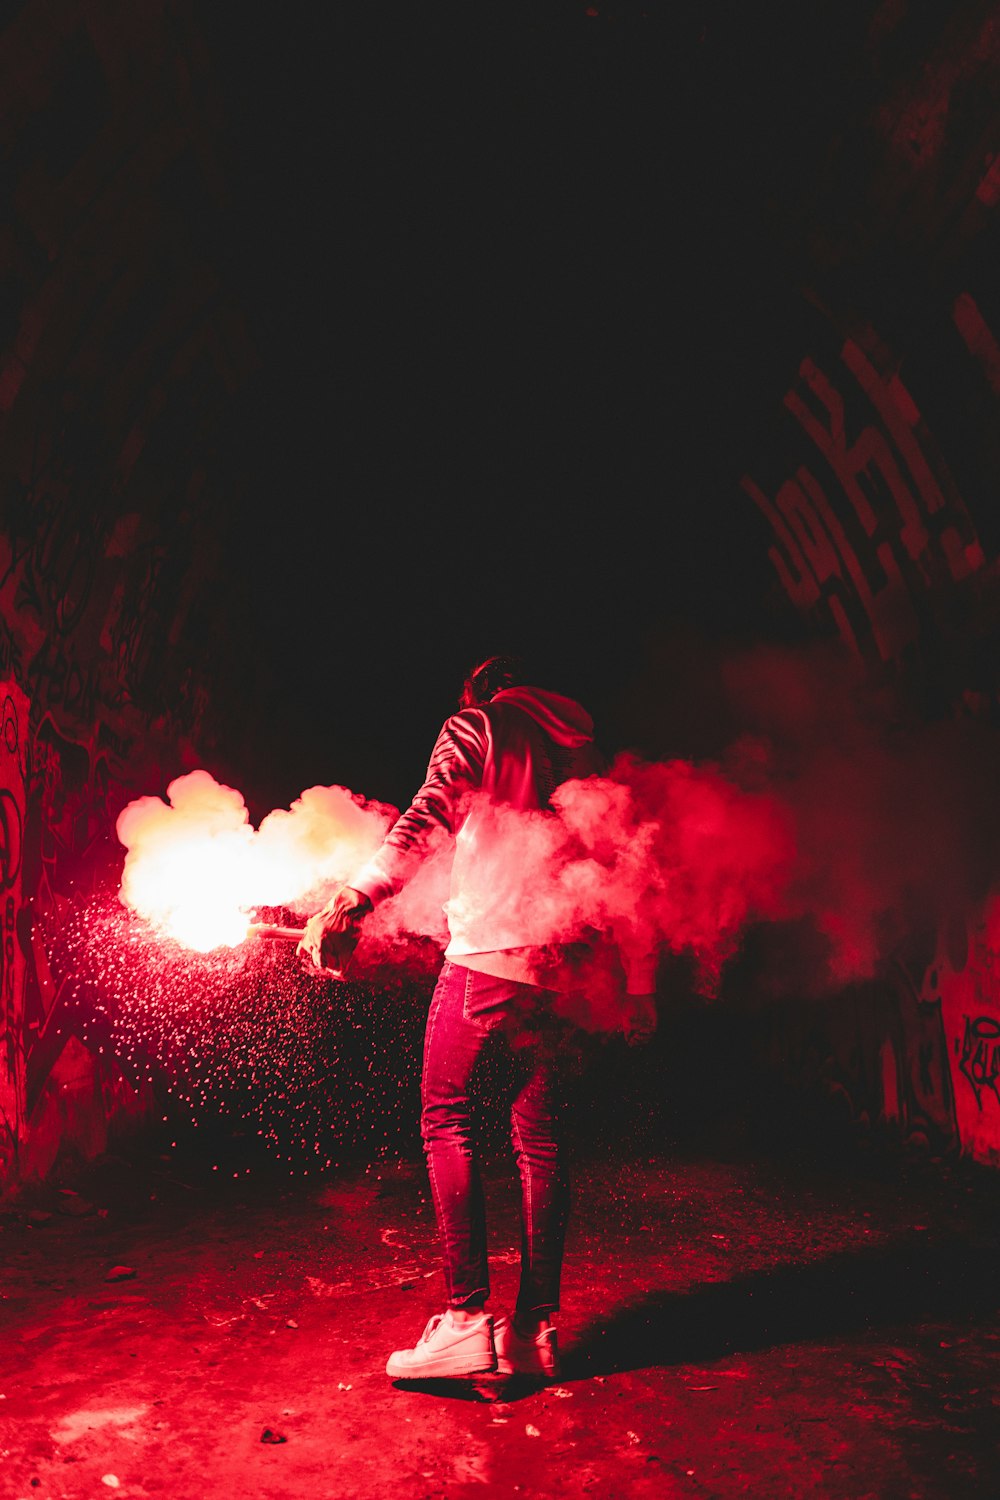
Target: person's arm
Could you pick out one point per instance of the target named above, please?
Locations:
(455, 771)
(332, 933)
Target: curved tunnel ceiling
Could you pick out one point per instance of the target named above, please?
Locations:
(382, 338)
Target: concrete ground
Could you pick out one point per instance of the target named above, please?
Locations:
(736, 1322)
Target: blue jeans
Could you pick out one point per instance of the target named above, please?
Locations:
(468, 1012)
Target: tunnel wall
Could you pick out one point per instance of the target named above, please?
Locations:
(876, 483)
(119, 351)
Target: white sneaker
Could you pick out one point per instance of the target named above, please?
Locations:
(447, 1348)
(537, 1356)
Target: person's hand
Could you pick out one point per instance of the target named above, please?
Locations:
(638, 1018)
(331, 934)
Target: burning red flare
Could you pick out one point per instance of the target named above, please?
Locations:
(197, 870)
(188, 862)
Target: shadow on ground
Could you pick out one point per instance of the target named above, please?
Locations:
(879, 1290)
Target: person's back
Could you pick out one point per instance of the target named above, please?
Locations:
(530, 741)
(537, 740)
(492, 772)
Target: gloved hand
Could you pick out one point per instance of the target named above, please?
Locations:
(638, 1018)
(331, 934)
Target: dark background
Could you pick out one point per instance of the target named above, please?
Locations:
(524, 282)
(529, 284)
(340, 346)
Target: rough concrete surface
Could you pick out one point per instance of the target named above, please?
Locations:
(734, 1323)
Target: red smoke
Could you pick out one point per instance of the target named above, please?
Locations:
(667, 855)
(837, 810)
(895, 817)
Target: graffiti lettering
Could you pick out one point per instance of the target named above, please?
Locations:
(11, 839)
(893, 525)
(115, 747)
(63, 571)
(978, 336)
(130, 633)
(7, 975)
(61, 681)
(10, 653)
(869, 457)
(980, 1056)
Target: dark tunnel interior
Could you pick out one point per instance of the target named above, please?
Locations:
(344, 347)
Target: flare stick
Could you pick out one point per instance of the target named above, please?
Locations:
(272, 930)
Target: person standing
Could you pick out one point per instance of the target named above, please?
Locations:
(503, 753)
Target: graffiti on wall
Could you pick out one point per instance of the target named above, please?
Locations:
(979, 1057)
(863, 536)
(877, 1054)
(93, 610)
(869, 535)
(120, 348)
(965, 980)
(57, 804)
(86, 614)
(94, 614)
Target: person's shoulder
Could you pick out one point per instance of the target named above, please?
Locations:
(466, 721)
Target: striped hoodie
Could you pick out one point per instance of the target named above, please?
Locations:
(490, 767)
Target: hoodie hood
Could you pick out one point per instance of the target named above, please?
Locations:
(563, 719)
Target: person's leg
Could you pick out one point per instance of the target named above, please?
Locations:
(467, 1007)
(459, 1341)
(540, 1150)
(526, 1344)
(452, 1042)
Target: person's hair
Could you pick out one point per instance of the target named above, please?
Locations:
(489, 677)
